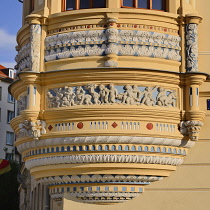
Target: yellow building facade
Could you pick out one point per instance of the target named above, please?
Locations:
(114, 104)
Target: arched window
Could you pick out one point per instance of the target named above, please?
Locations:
(82, 4)
(145, 4)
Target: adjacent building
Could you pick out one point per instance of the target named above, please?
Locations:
(7, 113)
(114, 103)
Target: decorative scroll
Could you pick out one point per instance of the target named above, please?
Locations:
(108, 94)
(191, 129)
(192, 47)
(112, 41)
(35, 47)
(32, 129)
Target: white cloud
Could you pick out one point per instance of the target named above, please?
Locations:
(8, 64)
(7, 40)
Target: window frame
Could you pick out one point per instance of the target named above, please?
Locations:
(77, 5)
(0, 93)
(8, 116)
(149, 2)
(12, 135)
(10, 98)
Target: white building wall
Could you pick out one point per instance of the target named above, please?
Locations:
(4, 126)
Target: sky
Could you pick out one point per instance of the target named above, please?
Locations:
(10, 23)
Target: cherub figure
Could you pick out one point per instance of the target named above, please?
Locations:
(80, 95)
(128, 97)
(91, 88)
(147, 96)
(104, 94)
(112, 93)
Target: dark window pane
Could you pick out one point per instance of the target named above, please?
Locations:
(143, 4)
(99, 3)
(70, 4)
(157, 4)
(84, 4)
(128, 3)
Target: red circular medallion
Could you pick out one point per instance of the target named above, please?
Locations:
(149, 126)
(80, 125)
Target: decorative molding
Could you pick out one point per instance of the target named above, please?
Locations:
(158, 29)
(192, 47)
(72, 159)
(112, 41)
(104, 139)
(32, 129)
(35, 47)
(108, 94)
(23, 58)
(98, 178)
(191, 129)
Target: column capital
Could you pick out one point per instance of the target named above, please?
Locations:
(35, 19)
(193, 18)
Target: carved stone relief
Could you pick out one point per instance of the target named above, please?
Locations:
(32, 129)
(192, 47)
(35, 47)
(112, 41)
(21, 104)
(108, 94)
(191, 129)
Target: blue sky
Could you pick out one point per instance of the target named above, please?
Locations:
(10, 23)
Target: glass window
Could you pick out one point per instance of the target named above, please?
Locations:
(70, 4)
(83, 4)
(128, 3)
(158, 4)
(11, 98)
(99, 3)
(145, 4)
(9, 138)
(0, 92)
(9, 156)
(10, 116)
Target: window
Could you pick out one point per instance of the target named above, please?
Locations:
(10, 116)
(11, 73)
(82, 4)
(145, 4)
(0, 92)
(9, 138)
(9, 156)
(11, 98)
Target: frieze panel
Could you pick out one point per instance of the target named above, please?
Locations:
(112, 41)
(110, 94)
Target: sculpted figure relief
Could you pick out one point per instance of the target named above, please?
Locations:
(164, 99)
(108, 94)
(32, 129)
(147, 96)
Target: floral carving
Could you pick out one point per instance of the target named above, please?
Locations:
(112, 41)
(21, 104)
(192, 47)
(101, 94)
(35, 47)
